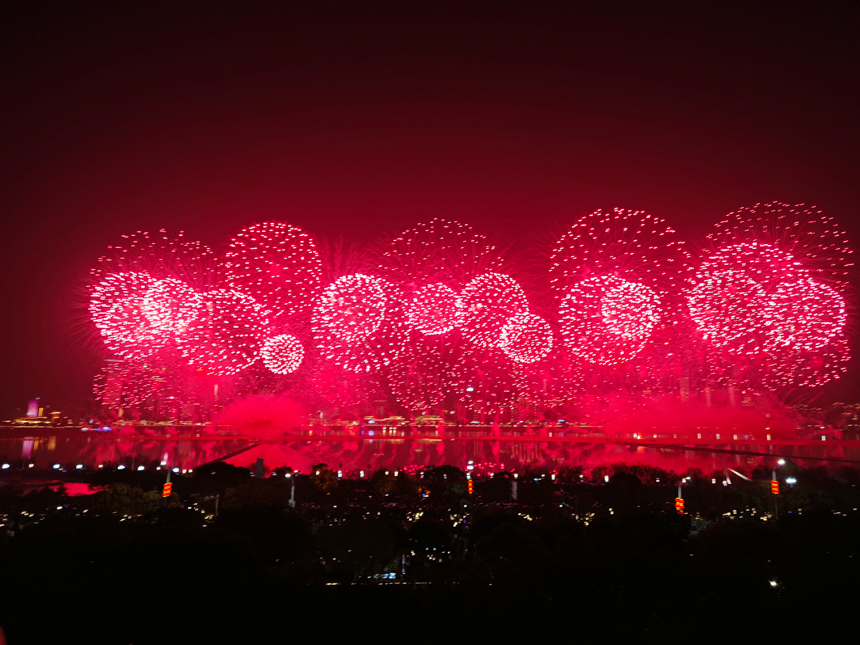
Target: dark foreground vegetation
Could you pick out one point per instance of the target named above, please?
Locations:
(416, 558)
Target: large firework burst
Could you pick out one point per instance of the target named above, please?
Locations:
(617, 276)
(768, 294)
(277, 264)
(358, 323)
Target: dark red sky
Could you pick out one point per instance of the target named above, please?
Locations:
(117, 119)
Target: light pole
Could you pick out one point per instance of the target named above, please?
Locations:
(292, 490)
(774, 488)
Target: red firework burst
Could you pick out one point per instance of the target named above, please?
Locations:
(160, 256)
(607, 320)
(769, 294)
(282, 354)
(358, 323)
(729, 308)
(227, 334)
(633, 245)
(486, 305)
(433, 309)
(276, 263)
(170, 306)
(117, 309)
(807, 314)
(618, 277)
(526, 338)
(351, 308)
(813, 239)
(437, 251)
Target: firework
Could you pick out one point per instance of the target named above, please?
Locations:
(812, 238)
(526, 338)
(607, 320)
(629, 244)
(486, 305)
(729, 308)
(282, 354)
(160, 256)
(277, 264)
(432, 318)
(433, 309)
(170, 306)
(358, 323)
(227, 334)
(808, 315)
(440, 250)
(617, 277)
(768, 293)
(430, 264)
(351, 308)
(117, 309)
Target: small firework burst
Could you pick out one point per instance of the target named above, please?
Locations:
(282, 354)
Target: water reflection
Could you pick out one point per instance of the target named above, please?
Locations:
(357, 449)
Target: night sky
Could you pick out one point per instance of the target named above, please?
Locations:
(357, 123)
